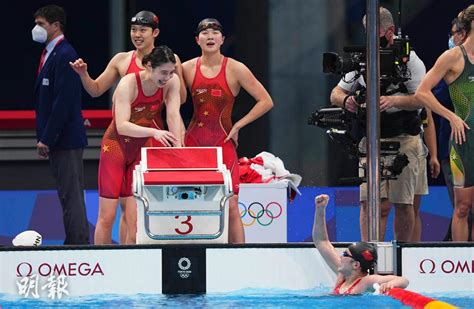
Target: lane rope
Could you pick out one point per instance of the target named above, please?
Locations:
(415, 300)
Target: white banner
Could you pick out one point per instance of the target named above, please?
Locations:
(62, 273)
(439, 269)
(266, 268)
(263, 211)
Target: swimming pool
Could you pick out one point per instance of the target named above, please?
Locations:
(247, 298)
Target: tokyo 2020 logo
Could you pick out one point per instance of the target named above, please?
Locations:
(184, 264)
(255, 212)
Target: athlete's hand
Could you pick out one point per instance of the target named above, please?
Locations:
(43, 150)
(385, 287)
(233, 135)
(457, 129)
(321, 200)
(435, 167)
(79, 66)
(165, 137)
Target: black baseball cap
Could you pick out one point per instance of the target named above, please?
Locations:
(145, 18)
(208, 23)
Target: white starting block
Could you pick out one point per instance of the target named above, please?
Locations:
(182, 195)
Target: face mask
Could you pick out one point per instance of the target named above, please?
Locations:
(383, 42)
(39, 34)
(451, 43)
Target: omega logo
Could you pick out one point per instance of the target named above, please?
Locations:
(25, 269)
(428, 266)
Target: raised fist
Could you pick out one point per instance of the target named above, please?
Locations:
(321, 200)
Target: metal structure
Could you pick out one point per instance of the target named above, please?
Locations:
(182, 195)
(373, 119)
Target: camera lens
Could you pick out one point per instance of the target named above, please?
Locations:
(184, 196)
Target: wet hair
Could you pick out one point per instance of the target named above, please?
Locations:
(385, 17)
(466, 17)
(209, 23)
(145, 18)
(366, 254)
(158, 56)
(52, 13)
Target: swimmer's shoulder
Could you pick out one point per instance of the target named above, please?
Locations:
(121, 58)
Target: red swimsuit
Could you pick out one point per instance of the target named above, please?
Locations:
(211, 123)
(119, 154)
(157, 122)
(133, 67)
(348, 291)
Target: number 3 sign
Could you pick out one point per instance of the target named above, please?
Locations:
(188, 226)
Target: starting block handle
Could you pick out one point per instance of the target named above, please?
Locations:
(148, 213)
(183, 213)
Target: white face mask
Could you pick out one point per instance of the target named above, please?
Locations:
(39, 34)
(451, 43)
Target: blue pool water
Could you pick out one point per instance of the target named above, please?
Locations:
(243, 299)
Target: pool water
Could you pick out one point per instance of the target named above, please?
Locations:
(250, 298)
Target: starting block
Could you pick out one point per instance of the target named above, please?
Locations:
(182, 195)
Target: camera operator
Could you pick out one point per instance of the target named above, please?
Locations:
(399, 125)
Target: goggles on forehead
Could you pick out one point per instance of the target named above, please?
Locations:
(209, 25)
(145, 21)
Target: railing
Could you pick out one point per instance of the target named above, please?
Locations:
(18, 136)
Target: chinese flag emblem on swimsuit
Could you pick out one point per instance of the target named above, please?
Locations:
(216, 92)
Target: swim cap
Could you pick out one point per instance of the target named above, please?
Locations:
(27, 238)
(365, 254)
(208, 23)
(145, 18)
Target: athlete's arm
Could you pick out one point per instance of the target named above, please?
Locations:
(320, 234)
(264, 103)
(387, 282)
(98, 86)
(182, 85)
(425, 96)
(124, 95)
(188, 72)
(173, 117)
(430, 141)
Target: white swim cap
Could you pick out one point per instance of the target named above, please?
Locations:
(27, 238)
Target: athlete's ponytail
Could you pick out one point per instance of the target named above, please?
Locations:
(466, 17)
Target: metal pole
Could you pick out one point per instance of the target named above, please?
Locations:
(373, 119)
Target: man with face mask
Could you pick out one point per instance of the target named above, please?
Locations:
(400, 122)
(60, 127)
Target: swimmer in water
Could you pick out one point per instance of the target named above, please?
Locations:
(354, 265)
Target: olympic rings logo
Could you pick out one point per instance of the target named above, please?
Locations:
(258, 213)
